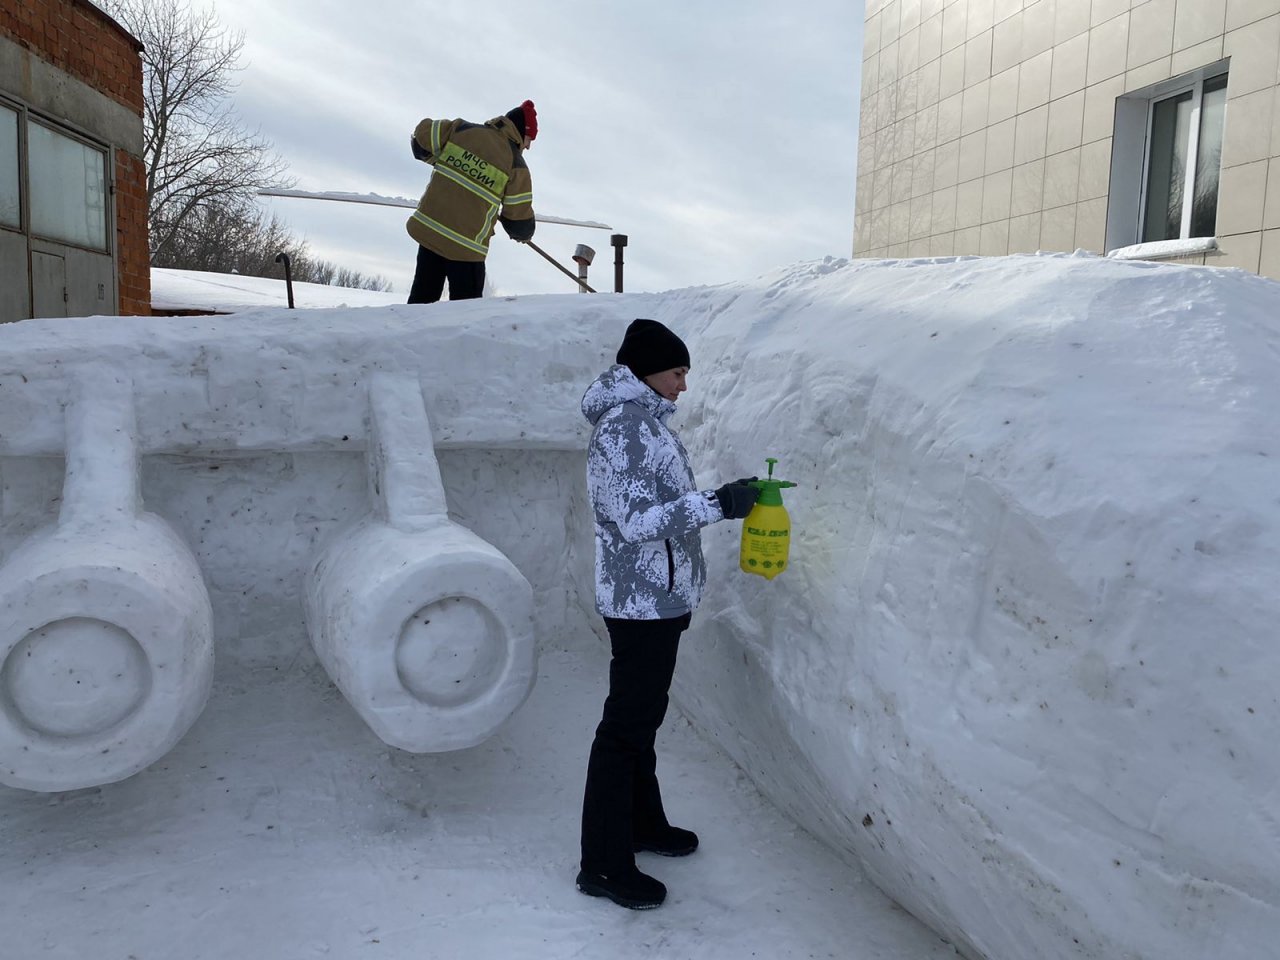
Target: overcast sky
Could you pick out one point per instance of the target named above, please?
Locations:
(718, 135)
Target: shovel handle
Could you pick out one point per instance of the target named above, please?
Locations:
(555, 263)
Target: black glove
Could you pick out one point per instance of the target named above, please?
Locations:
(521, 231)
(418, 152)
(736, 499)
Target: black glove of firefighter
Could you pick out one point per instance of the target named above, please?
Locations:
(736, 499)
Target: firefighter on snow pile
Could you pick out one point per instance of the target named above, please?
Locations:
(479, 171)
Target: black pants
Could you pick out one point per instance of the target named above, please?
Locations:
(622, 799)
(466, 278)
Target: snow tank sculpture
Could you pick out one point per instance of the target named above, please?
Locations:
(1021, 663)
(107, 635)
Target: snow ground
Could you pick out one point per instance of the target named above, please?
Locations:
(281, 828)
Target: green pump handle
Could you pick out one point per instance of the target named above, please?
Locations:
(770, 489)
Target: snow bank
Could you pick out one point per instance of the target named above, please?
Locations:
(1023, 662)
(1020, 665)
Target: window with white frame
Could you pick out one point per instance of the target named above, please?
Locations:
(1184, 156)
(1166, 158)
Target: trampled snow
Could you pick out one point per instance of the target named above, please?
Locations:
(1019, 675)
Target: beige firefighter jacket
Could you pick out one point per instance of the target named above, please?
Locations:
(480, 177)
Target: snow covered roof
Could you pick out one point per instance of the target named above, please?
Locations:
(198, 292)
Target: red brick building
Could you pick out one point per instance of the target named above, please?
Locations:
(73, 207)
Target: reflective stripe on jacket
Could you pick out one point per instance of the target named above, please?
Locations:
(479, 172)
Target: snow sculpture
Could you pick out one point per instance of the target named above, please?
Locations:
(1021, 665)
(212, 407)
(106, 634)
(425, 627)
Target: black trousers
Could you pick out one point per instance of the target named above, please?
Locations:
(622, 799)
(466, 278)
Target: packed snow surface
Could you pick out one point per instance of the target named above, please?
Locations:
(1021, 667)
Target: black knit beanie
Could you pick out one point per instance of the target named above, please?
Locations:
(649, 347)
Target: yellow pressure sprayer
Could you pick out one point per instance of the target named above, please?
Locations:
(766, 533)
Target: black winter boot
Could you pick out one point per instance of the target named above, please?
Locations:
(629, 888)
(668, 842)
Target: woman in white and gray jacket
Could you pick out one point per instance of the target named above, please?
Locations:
(649, 578)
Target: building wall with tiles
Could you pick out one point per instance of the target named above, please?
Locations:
(987, 125)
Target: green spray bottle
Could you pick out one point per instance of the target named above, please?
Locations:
(766, 533)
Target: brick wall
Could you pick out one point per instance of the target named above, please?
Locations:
(131, 235)
(82, 41)
(79, 39)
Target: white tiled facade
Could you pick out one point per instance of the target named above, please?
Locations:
(988, 126)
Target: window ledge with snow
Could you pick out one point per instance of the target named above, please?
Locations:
(1165, 249)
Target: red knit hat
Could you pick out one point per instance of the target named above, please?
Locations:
(525, 117)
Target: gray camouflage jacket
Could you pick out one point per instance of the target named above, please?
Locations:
(648, 512)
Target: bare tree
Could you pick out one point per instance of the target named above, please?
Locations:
(204, 168)
(197, 151)
(226, 238)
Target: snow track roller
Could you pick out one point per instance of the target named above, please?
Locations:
(106, 629)
(426, 628)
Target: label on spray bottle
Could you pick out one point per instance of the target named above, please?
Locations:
(766, 533)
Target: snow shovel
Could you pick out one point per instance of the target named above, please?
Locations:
(555, 263)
